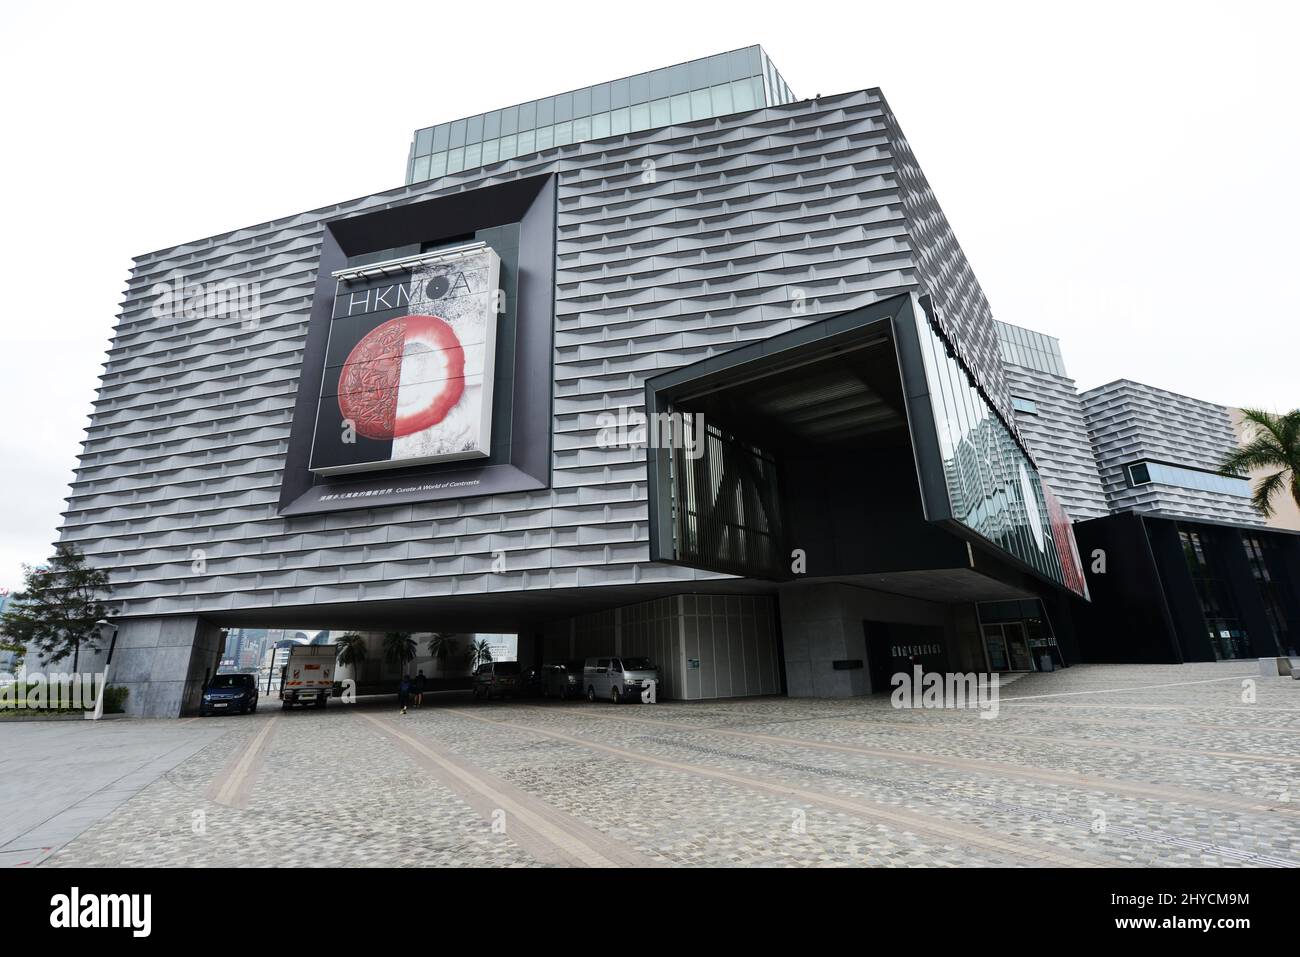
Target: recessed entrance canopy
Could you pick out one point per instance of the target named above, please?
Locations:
(859, 443)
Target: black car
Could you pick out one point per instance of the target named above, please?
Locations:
(531, 684)
(563, 680)
(227, 693)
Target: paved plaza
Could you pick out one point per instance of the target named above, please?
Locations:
(1192, 765)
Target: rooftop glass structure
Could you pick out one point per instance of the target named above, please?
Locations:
(744, 79)
(1029, 349)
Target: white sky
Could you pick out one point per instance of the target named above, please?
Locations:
(1122, 176)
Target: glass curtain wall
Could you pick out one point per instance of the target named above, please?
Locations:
(1223, 624)
(993, 486)
(712, 86)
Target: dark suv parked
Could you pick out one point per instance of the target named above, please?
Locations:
(227, 693)
(496, 679)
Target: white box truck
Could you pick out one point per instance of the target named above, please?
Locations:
(308, 677)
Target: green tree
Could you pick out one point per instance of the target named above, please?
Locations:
(60, 607)
(443, 646)
(351, 651)
(479, 653)
(1272, 442)
(399, 649)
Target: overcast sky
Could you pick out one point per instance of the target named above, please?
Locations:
(1121, 176)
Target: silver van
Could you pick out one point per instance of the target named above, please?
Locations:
(619, 679)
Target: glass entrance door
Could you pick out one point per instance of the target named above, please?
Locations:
(1007, 647)
(1018, 647)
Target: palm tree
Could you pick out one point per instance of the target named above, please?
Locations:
(442, 646)
(351, 651)
(1271, 442)
(399, 649)
(479, 653)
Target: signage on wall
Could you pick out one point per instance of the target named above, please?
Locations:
(409, 363)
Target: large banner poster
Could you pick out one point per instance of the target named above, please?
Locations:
(410, 363)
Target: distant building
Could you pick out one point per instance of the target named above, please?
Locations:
(1180, 566)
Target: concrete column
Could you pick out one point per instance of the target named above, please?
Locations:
(162, 662)
(818, 628)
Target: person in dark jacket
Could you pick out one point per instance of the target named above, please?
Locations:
(403, 691)
(417, 688)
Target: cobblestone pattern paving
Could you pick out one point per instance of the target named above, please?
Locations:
(1171, 766)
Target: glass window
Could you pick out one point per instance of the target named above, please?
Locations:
(491, 150)
(510, 121)
(1021, 404)
(545, 112)
(424, 142)
(473, 155)
(527, 141)
(599, 126)
(756, 84)
(437, 165)
(699, 73)
(659, 83)
(641, 116)
(508, 148)
(492, 125)
(563, 107)
(441, 134)
(659, 113)
(620, 121)
(738, 65)
(722, 102)
(680, 108)
(1139, 474)
(582, 129)
(742, 95)
(456, 160)
(993, 487)
(527, 116)
(545, 138)
(639, 88)
(474, 129)
(600, 96)
(718, 71)
(619, 92)
(679, 79)
(420, 171)
(701, 104)
(582, 102)
(564, 133)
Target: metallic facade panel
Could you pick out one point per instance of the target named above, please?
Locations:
(1131, 422)
(673, 244)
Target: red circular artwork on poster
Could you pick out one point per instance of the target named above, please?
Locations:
(402, 377)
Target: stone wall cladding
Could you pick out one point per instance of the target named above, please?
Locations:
(815, 204)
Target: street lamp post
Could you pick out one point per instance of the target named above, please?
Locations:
(104, 625)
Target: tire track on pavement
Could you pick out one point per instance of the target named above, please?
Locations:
(233, 782)
(1138, 789)
(1039, 853)
(550, 835)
